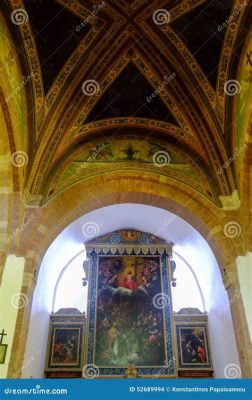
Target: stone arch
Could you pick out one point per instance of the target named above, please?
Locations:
(125, 187)
(118, 187)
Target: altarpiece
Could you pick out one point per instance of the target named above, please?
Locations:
(129, 315)
(129, 329)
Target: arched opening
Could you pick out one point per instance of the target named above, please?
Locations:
(199, 282)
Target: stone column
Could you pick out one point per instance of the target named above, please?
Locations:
(22, 326)
(240, 326)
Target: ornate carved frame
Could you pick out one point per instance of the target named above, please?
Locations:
(65, 319)
(193, 318)
(130, 243)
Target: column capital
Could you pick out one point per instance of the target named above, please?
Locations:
(231, 202)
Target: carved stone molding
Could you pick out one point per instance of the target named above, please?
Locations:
(231, 202)
(32, 200)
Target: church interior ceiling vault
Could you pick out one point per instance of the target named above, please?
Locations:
(110, 87)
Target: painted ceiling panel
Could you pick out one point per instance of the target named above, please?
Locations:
(125, 54)
(199, 31)
(130, 153)
(54, 29)
(128, 96)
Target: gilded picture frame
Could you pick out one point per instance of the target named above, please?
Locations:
(137, 250)
(193, 346)
(65, 341)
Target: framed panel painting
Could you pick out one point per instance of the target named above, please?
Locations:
(193, 346)
(129, 317)
(65, 347)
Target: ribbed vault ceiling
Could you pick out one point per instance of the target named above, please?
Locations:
(117, 84)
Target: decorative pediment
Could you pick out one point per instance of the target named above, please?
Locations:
(68, 311)
(129, 242)
(189, 311)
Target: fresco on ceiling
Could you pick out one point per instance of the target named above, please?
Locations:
(244, 101)
(129, 153)
(12, 83)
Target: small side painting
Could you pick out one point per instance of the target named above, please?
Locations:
(65, 347)
(193, 347)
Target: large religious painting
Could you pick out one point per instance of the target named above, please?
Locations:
(129, 326)
(129, 315)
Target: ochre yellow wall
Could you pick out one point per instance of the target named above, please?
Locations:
(244, 267)
(10, 302)
(12, 85)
